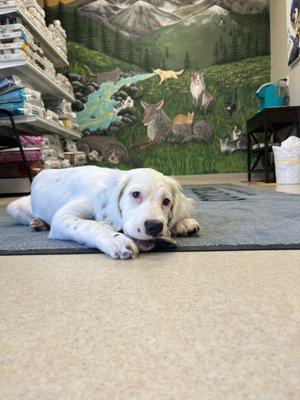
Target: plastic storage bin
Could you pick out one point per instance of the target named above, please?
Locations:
(287, 161)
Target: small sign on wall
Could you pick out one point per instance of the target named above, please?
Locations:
(293, 30)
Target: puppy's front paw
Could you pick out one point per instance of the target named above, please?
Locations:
(187, 227)
(122, 247)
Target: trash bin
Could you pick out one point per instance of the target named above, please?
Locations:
(287, 161)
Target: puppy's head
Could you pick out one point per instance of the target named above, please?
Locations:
(143, 203)
(150, 205)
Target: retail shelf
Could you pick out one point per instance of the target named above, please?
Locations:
(50, 50)
(36, 77)
(38, 126)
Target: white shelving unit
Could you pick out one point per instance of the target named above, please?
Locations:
(39, 126)
(49, 88)
(40, 81)
(50, 50)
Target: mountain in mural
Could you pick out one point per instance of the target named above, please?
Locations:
(141, 18)
(140, 32)
(101, 8)
(237, 6)
(215, 35)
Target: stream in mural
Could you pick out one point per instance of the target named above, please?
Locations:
(101, 110)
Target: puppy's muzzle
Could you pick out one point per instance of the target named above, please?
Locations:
(153, 227)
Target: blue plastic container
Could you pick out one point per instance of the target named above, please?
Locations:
(268, 96)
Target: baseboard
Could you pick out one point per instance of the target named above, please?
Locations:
(11, 186)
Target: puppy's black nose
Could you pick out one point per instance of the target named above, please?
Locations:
(153, 227)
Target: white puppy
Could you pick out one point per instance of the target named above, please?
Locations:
(91, 205)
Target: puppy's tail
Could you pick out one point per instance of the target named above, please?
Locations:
(178, 73)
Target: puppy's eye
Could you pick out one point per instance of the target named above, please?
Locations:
(166, 201)
(136, 195)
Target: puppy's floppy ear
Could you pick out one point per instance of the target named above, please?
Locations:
(182, 205)
(107, 201)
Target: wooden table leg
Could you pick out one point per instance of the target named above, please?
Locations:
(266, 152)
(249, 157)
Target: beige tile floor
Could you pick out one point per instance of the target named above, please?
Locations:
(178, 326)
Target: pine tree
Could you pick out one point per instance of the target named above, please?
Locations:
(147, 60)
(73, 34)
(91, 35)
(248, 44)
(256, 47)
(167, 52)
(117, 44)
(163, 63)
(224, 53)
(217, 53)
(234, 48)
(130, 52)
(267, 41)
(187, 61)
(104, 39)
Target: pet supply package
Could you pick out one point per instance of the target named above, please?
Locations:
(10, 83)
(24, 108)
(31, 141)
(53, 154)
(62, 108)
(53, 142)
(19, 98)
(14, 155)
(52, 163)
(22, 94)
(70, 146)
(76, 159)
(51, 116)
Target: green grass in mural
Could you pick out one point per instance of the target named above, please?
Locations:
(222, 81)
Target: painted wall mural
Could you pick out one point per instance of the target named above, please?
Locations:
(166, 84)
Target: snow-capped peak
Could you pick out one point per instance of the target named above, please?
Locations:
(205, 17)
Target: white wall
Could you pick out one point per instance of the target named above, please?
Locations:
(279, 66)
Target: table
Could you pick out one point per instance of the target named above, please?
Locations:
(268, 122)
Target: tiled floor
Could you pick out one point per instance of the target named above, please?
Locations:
(178, 326)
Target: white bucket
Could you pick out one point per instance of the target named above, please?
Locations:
(287, 165)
